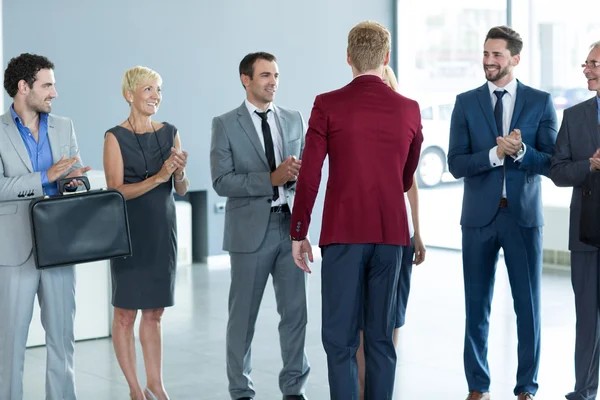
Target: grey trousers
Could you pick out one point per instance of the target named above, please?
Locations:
(585, 278)
(249, 274)
(55, 289)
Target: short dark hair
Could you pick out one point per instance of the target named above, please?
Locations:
(24, 67)
(247, 63)
(514, 43)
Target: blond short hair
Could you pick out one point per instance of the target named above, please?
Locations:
(137, 76)
(388, 74)
(368, 45)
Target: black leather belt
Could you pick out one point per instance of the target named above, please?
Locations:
(503, 202)
(283, 208)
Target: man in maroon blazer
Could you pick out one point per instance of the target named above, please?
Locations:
(373, 138)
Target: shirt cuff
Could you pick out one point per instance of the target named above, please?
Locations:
(494, 160)
(522, 154)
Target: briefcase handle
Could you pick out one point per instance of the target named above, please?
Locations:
(63, 182)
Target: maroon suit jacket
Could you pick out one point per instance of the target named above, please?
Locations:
(373, 138)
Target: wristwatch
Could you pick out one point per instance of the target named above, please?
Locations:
(520, 152)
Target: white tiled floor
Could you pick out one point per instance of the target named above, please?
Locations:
(429, 353)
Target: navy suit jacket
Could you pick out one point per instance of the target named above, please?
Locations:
(473, 133)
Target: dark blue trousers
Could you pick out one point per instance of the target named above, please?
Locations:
(349, 271)
(523, 256)
(585, 278)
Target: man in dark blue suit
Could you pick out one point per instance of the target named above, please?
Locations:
(502, 137)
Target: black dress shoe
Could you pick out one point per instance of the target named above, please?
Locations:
(295, 397)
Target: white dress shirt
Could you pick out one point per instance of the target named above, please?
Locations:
(411, 226)
(277, 140)
(508, 106)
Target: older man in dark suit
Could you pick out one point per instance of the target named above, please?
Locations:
(578, 152)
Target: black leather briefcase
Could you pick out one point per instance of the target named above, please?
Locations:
(589, 222)
(80, 227)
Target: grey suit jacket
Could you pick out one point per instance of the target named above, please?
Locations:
(578, 139)
(240, 172)
(19, 183)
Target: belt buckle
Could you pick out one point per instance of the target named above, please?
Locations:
(277, 209)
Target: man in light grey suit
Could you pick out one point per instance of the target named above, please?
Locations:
(255, 160)
(578, 152)
(36, 150)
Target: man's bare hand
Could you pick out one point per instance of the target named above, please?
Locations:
(595, 164)
(501, 149)
(60, 168)
(78, 172)
(287, 171)
(508, 145)
(420, 250)
(516, 133)
(301, 250)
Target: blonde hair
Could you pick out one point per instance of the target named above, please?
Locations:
(136, 76)
(388, 74)
(368, 45)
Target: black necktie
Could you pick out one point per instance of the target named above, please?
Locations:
(269, 149)
(498, 110)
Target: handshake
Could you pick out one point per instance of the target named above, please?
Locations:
(510, 145)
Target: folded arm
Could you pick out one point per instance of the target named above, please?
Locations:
(462, 162)
(414, 153)
(22, 187)
(564, 171)
(226, 181)
(537, 158)
(313, 157)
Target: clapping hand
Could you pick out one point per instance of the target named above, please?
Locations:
(595, 161)
(180, 160)
(511, 144)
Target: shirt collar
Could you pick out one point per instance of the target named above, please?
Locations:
(17, 119)
(511, 87)
(251, 107)
(14, 114)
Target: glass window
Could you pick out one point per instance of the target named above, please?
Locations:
(439, 49)
(556, 43)
(427, 113)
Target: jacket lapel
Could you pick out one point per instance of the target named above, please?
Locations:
(591, 116)
(283, 129)
(54, 140)
(246, 123)
(485, 102)
(519, 104)
(15, 138)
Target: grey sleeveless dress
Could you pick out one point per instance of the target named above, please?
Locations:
(147, 278)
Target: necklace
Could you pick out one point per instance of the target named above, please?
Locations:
(142, 149)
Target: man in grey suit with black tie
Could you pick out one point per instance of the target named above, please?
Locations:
(577, 153)
(255, 161)
(36, 149)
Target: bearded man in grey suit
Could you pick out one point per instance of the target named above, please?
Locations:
(255, 160)
(36, 149)
(577, 153)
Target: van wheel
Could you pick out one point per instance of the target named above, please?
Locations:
(431, 168)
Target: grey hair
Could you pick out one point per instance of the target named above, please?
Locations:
(595, 45)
